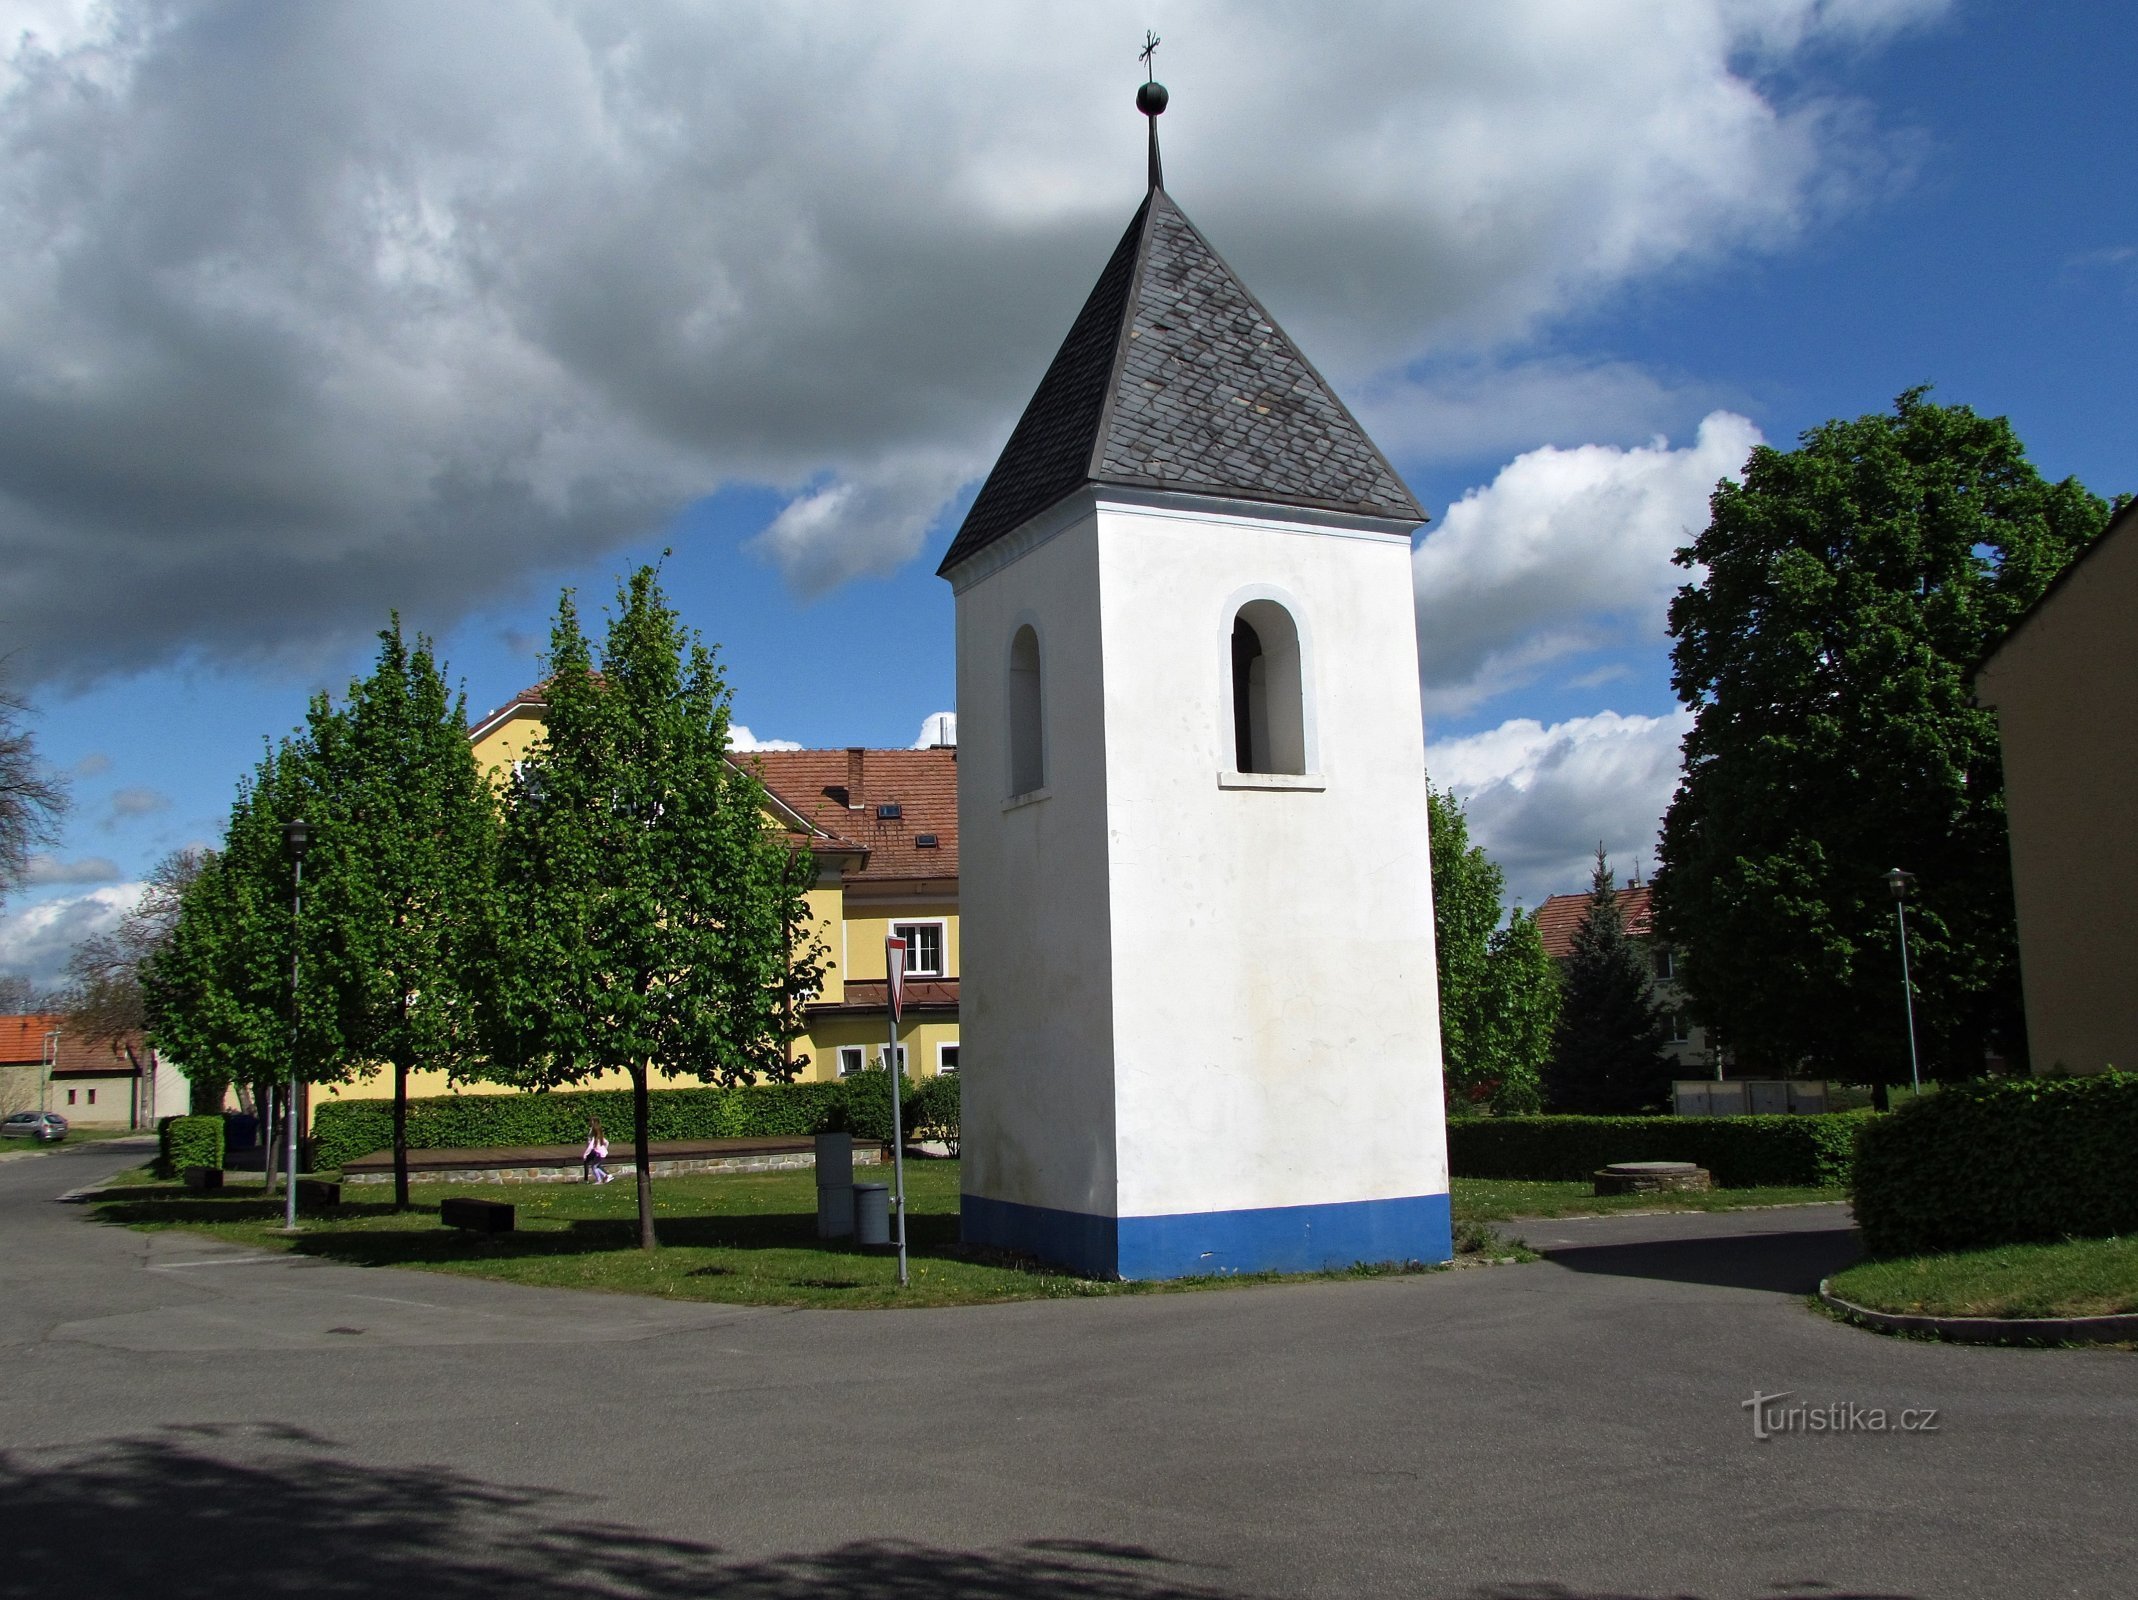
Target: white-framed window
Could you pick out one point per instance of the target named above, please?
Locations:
(946, 1058)
(924, 948)
(1681, 1028)
(70, 1097)
(901, 1057)
(852, 1057)
(1666, 965)
(92, 1097)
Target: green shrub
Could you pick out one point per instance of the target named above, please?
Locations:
(2009, 1162)
(935, 1109)
(1741, 1152)
(185, 1142)
(342, 1130)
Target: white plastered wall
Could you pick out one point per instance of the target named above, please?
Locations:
(1276, 1035)
(1034, 1008)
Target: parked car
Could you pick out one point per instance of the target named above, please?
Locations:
(46, 1127)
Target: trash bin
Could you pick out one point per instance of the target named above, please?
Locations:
(872, 1213)
(835, 1210)
(835, 1185)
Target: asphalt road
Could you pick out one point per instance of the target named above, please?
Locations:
(185, 1420)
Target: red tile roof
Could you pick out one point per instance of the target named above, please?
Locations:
(1561, 917)
(22, 1043)
(820, 786)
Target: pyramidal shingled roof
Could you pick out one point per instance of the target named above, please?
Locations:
(1173, 376)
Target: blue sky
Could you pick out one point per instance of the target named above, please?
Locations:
(1566, 275)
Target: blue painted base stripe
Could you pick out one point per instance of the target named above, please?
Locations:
(1276, 1239)
(1078, 1240)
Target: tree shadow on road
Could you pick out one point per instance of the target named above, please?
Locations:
(1786, 1263)
(220, 1511)
(210, 1513)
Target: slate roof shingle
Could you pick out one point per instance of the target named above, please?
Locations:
(1173, 376)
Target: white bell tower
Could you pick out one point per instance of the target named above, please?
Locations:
(1199, 1017)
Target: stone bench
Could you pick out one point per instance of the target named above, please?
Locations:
(1652, 1177)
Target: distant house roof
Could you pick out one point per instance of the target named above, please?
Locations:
(22, 1044)
(531, 698)
(1173, 376)
(845, 793)
(1561, 917)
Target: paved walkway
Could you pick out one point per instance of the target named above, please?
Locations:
(186, 1420)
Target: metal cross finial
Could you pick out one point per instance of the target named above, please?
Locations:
(1151, 100)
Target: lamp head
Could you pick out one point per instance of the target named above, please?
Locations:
(297, 836)
(1900, 882)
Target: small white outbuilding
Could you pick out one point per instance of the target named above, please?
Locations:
(1200, 1023)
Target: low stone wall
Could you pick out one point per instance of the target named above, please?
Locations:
(547, 1169)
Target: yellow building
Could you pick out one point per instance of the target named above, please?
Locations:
(883, 827)
(2064, 683)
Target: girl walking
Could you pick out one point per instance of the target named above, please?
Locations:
(596, 1152)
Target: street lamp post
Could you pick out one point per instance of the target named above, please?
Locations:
(297, 836)
(1900, 882)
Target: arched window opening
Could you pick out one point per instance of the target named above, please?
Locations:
(1028, 761)
(1268, 707)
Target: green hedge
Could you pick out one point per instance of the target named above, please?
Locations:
(342, 1130)
(2008, 1162)
(1741, 1152)
(183, 1142)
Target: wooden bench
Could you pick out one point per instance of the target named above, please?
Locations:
(477, 1216)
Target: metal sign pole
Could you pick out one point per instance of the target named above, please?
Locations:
(894, 968)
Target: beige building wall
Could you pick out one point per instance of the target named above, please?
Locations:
(2065, 688)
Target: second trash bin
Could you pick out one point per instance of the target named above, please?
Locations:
(872, 1213)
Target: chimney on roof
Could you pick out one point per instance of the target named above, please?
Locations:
(854, 753)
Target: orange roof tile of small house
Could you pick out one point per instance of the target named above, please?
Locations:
(1561, 917)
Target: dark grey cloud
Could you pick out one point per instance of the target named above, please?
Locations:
(309, 311)
(48, 870)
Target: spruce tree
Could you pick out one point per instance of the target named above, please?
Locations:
(1607, 1054)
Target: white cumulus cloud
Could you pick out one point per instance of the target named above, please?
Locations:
(36, 940)
(1566, 550)
(1540, 799)
(741, 738)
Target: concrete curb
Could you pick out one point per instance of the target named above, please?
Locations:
(1986, 1330)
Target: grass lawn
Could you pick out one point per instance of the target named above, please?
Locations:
(750, 1238)
(747, 1238)
(1499, 1199)
(2079, 1278)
